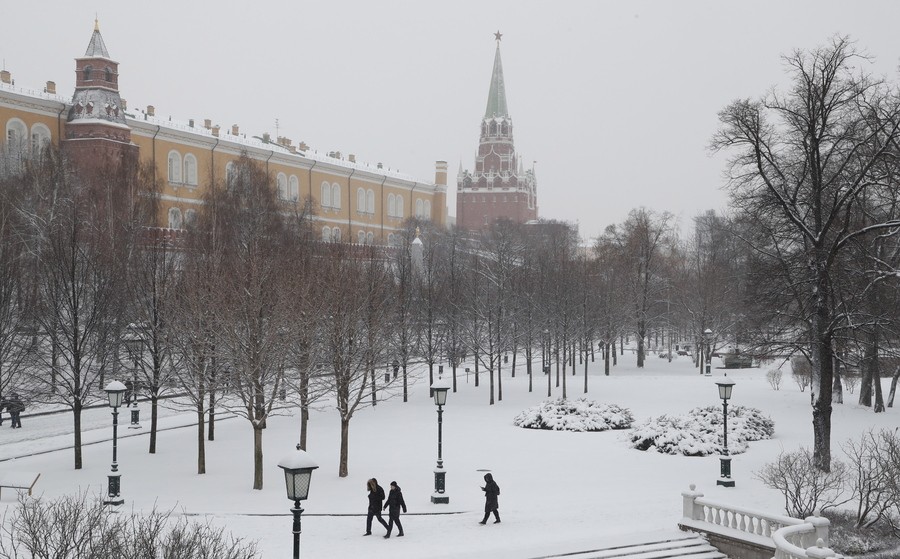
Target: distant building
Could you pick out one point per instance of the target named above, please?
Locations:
(498, 187)
(352, 201)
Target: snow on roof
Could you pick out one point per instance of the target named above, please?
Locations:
(297, 459)
(35, 93)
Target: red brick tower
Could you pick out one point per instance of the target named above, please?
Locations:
(96, 133)
(498, 188)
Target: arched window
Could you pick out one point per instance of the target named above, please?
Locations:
(229, 174)
(427, 210)
(392, 206)
(40, 138)
(336, 235)
(87, 73)
(174, 167)
(108, 74)
(174, 218)
(326, 234)
(326, 195)
(16, 136)
(281, 184)
(190, 217)
(391, 239)
(419, 207)
(335, 196)
(360, 200)
(399, 207)
(370, 201)
(370, 238)
(190, 170)
(295, 188)
(361, 237)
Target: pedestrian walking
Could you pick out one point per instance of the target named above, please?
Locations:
(395, 502)
(15, 407)
(491, 504)
(376, 497)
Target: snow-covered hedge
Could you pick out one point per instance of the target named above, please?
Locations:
(575, 415)
(699, 433)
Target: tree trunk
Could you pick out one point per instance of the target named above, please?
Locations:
(894, 379)
(257, 456)
(606, 358)
(201, 440)
(640, 343)
(837, 394)
(154, 420)
(211, 428)
(345, 447)
(820, 389)
(304, 409)
(76, 412)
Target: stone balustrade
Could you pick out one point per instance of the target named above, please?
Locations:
(741, 532)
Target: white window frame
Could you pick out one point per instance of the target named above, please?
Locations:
(174, 166)
(281, 186)
(361, 200)
(399, 213)
(18, 142)
(335, 196)
(370, 201)
(40, 138)
(361, 237)
(325, 202)
(336, 234)
(370, 238)
(326, 234)
(294, 185)
(418, 207)
(391, 205)
(175, 221)
(190, 169)
(427, 209)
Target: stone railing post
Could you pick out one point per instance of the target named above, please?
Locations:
(820, 551)
(821, 525)
(691, 509)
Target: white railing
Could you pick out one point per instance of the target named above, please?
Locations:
(792, 538)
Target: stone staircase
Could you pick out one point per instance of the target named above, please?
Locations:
(649, 546)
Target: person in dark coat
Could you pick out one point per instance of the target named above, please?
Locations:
(491, 504)
(15, 407)
(395, 502)
(376, 497)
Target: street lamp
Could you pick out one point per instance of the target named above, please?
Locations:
(298, 468)
(725, 386)
(707, 337)
(135, 347)
(115, 392)
(440, 388)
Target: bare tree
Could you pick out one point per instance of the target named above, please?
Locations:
(802, 162)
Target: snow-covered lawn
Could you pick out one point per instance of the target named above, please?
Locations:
(561, 491)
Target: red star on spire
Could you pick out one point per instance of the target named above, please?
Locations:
(498, 35)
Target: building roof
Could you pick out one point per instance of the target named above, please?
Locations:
(96, 48)
(496, 105)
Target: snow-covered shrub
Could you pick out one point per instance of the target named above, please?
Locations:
(805, 488)
(575, 415)
(774, 378)
(699, 433)
(78, 526)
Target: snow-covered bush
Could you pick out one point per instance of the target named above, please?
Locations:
(79, 526)
(699, 433)
(805, 488)
(774, 378)
(575, 415)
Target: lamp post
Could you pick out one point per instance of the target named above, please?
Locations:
(135, 347)
(298, 468)
(114, 393)
(707, 337)
(440, 388)
(725, 386)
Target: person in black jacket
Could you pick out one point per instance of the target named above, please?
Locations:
(376, 497)
(395, 502)
(15, 407)
(491, 505)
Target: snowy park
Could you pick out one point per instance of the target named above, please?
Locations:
(562, 491)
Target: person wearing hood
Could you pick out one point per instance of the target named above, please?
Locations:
(395, 502)
(15, 407)
(376, 497)
(491, 505)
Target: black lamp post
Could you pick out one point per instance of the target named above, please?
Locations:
(298, 468)
(440, 388)
(135, 347)
(707, 337)
(725, 385)
(115, 391)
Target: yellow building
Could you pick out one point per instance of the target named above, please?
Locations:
(352, 201)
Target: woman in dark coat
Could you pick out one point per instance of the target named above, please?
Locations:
(395, 502)
(491, 505)
(376, 497)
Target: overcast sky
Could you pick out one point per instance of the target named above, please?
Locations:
(616, 100)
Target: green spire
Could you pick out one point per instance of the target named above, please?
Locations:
(496, 105)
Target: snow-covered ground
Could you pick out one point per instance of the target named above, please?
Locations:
(560, 491)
